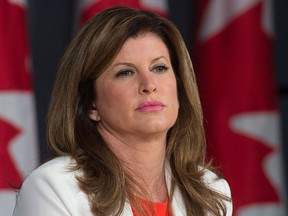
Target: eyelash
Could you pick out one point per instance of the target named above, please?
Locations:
(128, 72)
(160, 68)
(124, 73)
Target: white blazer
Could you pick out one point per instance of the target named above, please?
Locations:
(52, 189)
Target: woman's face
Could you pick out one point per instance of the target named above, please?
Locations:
(137, 93)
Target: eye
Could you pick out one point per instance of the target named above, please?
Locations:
(124, 73)
(160, 69)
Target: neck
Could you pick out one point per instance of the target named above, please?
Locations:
(143, 159)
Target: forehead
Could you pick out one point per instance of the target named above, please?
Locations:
(145, 43)
(136, 46)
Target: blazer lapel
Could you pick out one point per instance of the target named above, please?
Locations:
(178, 207)
(127, 211)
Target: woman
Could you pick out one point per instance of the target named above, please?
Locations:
(125, 125)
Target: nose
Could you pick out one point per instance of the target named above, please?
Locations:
(147, 84)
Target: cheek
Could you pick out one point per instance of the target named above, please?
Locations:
(105, 99)
(173, 93)
(111, 97)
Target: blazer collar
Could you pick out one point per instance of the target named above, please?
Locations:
(178, 207)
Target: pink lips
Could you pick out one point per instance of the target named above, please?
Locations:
(150, 106)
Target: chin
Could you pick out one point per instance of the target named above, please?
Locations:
(157, 128)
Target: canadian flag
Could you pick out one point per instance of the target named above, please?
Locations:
(235, 71)
(18, 149)
(90, 8)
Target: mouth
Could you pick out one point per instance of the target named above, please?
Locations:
(149, 106)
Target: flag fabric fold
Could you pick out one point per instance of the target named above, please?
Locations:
(235, 72)
(90, 8)
(18, 149)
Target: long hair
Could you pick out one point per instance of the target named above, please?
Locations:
(70, 131)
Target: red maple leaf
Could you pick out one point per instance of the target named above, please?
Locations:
(9, 174)
(235, 75)
(104, 4)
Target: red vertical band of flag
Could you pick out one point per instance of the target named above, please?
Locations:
(92, 7)
(18, 152)
(235, 72)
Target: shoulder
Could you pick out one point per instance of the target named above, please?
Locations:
(216, 183)
(212, 181)
(57, 167)
(219, 185)
(52, 173)
(53, 188)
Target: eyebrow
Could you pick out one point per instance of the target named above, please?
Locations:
(131, 64)
(158, 58)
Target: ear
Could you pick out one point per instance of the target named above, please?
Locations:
(94, 115)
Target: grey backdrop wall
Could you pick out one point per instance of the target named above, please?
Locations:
(51, 26)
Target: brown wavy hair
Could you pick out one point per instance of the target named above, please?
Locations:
(70, 131)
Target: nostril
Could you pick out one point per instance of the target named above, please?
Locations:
(147, 91)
